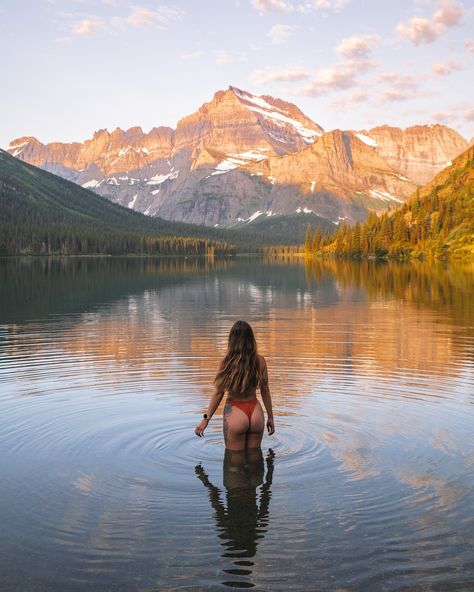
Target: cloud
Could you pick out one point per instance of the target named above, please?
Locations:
(469, 115)
(327, 80)
(357, 46)
(396, 96)
(305, 7)
(453, 113)
(399, 82)
(279, 34)
(469, 44)
(266, 76)
(402, 87)
(191, 56)
(445, 68)
(421, 30)
(442, 116)
(139, 16)
(358, 66)
(87, 27)
(343, 75)
(449, 13)
(272, 5)
(330, 4)
(357, 97)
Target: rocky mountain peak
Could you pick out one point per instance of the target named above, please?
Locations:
(419, 151)
(241, 153)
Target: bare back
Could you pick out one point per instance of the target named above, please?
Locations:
(251, 392)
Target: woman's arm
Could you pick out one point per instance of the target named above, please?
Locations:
(266, 397)
(213, 405)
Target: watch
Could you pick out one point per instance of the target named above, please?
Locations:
(206, 416)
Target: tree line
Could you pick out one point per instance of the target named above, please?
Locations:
(28, 239)
(437, 222)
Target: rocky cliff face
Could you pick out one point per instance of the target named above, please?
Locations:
(419, 152)
(241, 155)
(338, 176)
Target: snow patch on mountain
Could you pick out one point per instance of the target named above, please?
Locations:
(254, 216)
(159, 179)
(367, 140)
(233, 161)
(278, 116)
(91, 183)
(131, 203)
(17, 148)
(383, 195)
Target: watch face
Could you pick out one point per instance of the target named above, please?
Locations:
(206, 416)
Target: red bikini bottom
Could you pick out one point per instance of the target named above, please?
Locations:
(246, 406)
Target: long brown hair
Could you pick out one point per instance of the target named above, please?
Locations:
(239, 368)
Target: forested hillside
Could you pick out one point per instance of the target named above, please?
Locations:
(41, 213)
(438, 221)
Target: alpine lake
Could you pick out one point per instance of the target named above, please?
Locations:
(107, 364)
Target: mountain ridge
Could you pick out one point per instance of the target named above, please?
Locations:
(206, 170)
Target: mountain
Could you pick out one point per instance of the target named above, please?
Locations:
(437, 222)
(419, 152)
(43, 213)
(240, 154)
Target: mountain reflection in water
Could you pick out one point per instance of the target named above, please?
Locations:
(106, 363)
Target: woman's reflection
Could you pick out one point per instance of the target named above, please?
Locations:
(245, 519)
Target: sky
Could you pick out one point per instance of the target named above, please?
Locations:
(71, 67)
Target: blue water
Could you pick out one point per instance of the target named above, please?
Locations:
(106, 366)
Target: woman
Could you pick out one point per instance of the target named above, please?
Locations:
(240, 373)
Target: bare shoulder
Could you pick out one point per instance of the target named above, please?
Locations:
(261, 361)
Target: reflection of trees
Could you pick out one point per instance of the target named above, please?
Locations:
(243, 520)
(35, 287)
(360, 319)
(431, 284)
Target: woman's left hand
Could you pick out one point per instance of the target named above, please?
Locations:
(199, 431)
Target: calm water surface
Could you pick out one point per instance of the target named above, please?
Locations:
(106, 366)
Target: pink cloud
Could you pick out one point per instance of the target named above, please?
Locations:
(469, 44)
(442, 116)
(399, 82)
(359, 66)
(449, 13)
(140, 16)
(469, 115)
(422, 30)
(330, 4)
(357, 97)
(357, 46)
(305, 7)
(87, 27)
(445, 68)
(271, 5)
(396, 96)
(327, 80)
